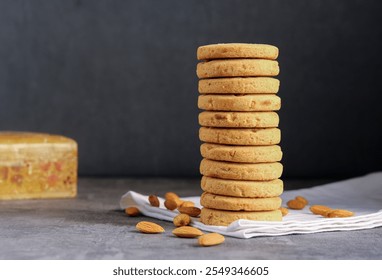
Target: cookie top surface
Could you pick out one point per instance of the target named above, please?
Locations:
(237, 50)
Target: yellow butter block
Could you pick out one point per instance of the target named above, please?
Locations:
(35, 165)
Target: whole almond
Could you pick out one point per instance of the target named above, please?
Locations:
(170, 204)
(178, 202)
(149, 227)
(191, 211)
(284, 211)
(302, 199)
(154, 201)
(182, 220)
(296, 204)
(132, 211)
(187, 204)
(171, 195)
(339, 213)
(210, 239)
(320, 210)
(187, 232)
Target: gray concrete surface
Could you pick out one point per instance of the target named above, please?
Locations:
(92, 227)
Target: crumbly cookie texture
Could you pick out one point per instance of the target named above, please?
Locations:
(239, 119)
(237, 68)
(241, 171)
(244, 154)
(240, 103)
(239, 188)
(240, 136)
(224, 218)
(237, 50)
(221, 202)
(249, 85)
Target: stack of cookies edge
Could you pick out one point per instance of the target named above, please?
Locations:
(239, 127)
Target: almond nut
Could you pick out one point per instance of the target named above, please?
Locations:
(302, 199)
(182, 220)
(154, 201)
(340, 213)
(191, 211)
(296, 204)
(149, 227)
(170, 204)
(132, 211)
(171, 195)
(284, 211)
(187, 204)
(320, 210)
(210, 239)
(187, 232)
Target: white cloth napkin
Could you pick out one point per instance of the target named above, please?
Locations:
(362, 195)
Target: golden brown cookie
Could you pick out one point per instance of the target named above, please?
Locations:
(220, 202)
(240, 136)
(224, 218)
(239, 85)
(245, 154)
(242, 188)
(243, 103)
(239, 119)
(241, 171)
(237, 50)
(237, 68)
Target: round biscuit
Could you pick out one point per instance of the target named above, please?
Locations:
(244, 103)
(237, 68)
(249, 85)
(242, 188)
(220, 202)
(240, 136)
(245, 154)
(241, 171)
(224, 218)
(237, 50)
(239, 119)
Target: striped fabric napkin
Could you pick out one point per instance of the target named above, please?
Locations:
(362, 195)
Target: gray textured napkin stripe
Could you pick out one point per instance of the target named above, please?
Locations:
(363, 195)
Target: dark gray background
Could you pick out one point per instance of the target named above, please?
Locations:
(119, 77)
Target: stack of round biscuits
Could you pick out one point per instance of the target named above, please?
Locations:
(240, 165)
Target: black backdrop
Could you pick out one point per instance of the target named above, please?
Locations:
(119, 77)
